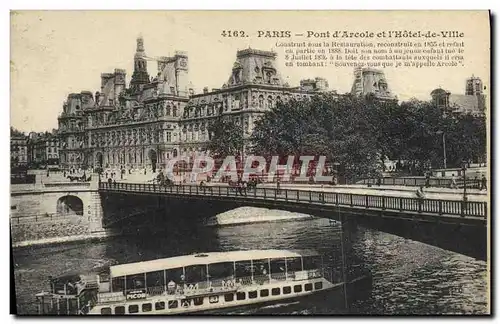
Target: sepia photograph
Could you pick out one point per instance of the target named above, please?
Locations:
(250, 162)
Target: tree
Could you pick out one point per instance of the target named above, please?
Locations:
(359, 132)
(226, 138)
(15, 132)
(336, 127)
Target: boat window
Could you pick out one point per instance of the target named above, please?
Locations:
(196, 273)
(186, 302)
(221, 270)
(155, 279)
(136, 281)
(119, 310)
(118, 284)
(293, 264)
(312, 262)
(287, 290)
(229, 297)
(297, 288)
(318, 285)
(243, 269)
(252, 294)
(308, 287)
(147, 307)
(213, 299)
(264, 293)
(132, 309)
(174, 275)
(261, 267)
(106, 311)
(159, 305)
(275, 291)
(173, 304)
(277, 268)
(197, 301)
(240, 295)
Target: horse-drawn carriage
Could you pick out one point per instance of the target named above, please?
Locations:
(162, 181)
(82, 178)
(240, 185)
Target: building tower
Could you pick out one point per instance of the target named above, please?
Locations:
(473, 86)
(371, 81)
(140, 75)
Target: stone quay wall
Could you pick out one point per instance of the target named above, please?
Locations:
(39, 215)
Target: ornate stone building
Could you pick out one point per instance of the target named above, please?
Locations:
(472, 102)
(371, 81)
(156, 119)
(254, 86)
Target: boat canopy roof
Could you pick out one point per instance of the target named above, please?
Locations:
(204, 258)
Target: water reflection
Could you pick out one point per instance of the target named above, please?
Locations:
(408, 277)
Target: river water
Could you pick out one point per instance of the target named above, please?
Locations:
(408, 277)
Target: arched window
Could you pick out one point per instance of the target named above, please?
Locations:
(261, 101)
(168, 110)
(269, 102)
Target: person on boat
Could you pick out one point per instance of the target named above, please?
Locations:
(171, 287)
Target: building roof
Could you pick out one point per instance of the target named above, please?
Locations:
(202, 259)
(467, 103)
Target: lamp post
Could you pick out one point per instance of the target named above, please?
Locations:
(444, 146)
(336, 165)
(464, 201)
(464, 167)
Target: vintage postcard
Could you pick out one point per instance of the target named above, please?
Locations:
(250, 162)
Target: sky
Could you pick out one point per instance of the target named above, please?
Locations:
(54, 53)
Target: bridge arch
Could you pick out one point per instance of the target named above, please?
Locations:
(70, 205)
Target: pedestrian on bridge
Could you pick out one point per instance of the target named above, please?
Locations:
(483, 183)
(427, 180)
(453, 183)
(420, 193)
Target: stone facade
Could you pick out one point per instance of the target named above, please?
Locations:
(18, 151)
(472, 102)
(156, 119)
(43, 148)
(371, 81)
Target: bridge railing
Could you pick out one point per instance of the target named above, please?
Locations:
(401, 204)
(421, 181)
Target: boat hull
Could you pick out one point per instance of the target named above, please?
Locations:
(216, 304)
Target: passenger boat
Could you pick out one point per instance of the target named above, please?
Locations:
(191, 283)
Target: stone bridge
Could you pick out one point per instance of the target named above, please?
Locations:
(451, 224)
(54, 212)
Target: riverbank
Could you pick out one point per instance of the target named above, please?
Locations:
(49, 241)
